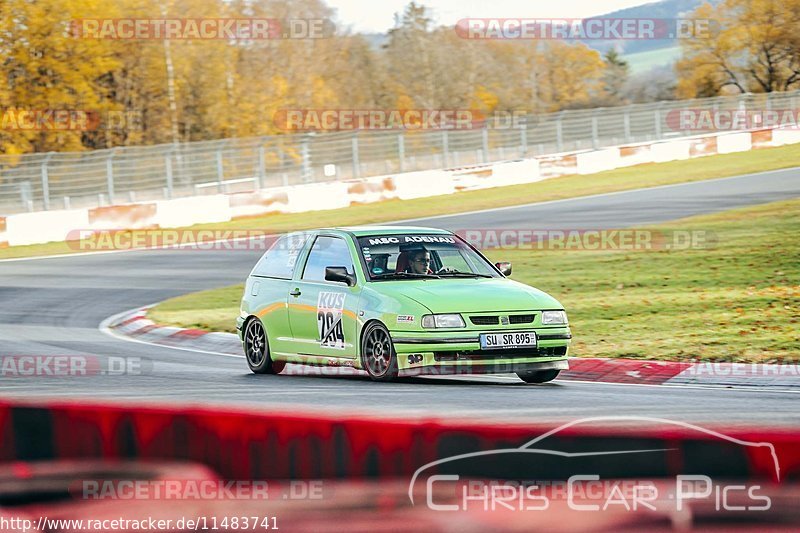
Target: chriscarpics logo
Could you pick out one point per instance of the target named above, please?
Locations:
(665, 466)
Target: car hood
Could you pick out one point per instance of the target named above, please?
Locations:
(472, 295)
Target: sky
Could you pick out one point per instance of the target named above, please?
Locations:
(377, 16)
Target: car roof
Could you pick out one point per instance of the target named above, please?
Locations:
(363, 231)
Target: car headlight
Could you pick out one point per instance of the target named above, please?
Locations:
(554, 317)
(443, 321)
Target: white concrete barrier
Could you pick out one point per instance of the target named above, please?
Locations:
(44, 226)
(192, 210)
(635, 155)
(424, 183)
(598, 160)
(47, 226)
(670, 151)
(368, 190)
(259, 202)
(317, 197)
(734, 142)
(515, 173)
(785, 136)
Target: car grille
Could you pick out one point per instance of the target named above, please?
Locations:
(493, 320)
(485, 320)
(510, 353)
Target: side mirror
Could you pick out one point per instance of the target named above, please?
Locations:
(339, 274)
(504, 267)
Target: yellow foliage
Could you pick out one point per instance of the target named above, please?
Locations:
(754, 46)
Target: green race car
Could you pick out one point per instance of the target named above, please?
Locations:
(397, 301)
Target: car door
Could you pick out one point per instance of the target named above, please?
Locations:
(322, 314)
(267, 288)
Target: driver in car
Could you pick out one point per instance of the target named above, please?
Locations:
(420, 262)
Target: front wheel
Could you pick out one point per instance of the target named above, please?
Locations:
(377, 353)
(541, 376)
(256, 349)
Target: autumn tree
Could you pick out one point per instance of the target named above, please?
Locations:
(753, 46)
(615, 78)
(46, 68)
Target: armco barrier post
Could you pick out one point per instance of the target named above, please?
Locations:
(305, 154)
(627, 124)
(25, 194)
(485, 145)
(261, 164)
(46, 182)
(168, 163)
(220, 172)
(446, 149)
(401, 151)
(110, 175)
(659, 134)
(356, 161)
(560, 132)
(523, 139)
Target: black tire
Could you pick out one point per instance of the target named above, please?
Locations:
(378, 356)
(538, 376)
(256, 349)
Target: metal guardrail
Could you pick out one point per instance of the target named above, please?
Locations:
(32, 182)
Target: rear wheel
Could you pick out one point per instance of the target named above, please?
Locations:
(377, 353)
(256, 349)
(539, 376)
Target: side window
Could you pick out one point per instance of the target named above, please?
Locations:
(327, 251)
(280, 259)
(454, 260)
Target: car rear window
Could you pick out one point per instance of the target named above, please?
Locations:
(281, 258)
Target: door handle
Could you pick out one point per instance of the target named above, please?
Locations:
(295, 292)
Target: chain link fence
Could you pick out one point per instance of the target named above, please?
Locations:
(33, 182)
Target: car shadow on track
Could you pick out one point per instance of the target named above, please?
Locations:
(439, 381)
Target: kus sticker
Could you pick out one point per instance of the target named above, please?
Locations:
(405, 319)
(329, 320)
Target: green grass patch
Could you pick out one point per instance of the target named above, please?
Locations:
(737, 301)
(211, 310)
(648, 175)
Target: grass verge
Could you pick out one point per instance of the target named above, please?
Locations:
(648, 175)
(736, 301)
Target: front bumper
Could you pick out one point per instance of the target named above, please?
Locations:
(239, 325)
(459, 352)
(450, 369)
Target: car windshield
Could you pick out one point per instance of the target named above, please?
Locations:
(422, 256)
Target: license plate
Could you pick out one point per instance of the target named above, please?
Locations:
(520, 339)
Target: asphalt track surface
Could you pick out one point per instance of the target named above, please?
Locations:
(53, 306)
